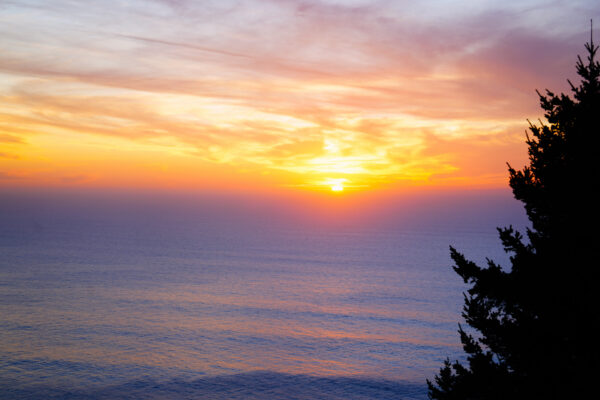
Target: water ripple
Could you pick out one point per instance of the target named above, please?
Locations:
(247, 386)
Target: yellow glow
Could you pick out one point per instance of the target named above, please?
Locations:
(336, 184)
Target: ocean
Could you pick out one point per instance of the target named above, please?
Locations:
(138, 304)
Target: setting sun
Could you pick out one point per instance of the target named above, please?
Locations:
(338, 187)
(336, 184)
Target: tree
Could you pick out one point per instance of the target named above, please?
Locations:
(533, 329)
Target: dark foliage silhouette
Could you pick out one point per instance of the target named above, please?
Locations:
(533, 332)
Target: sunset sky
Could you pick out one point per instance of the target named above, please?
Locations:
(277, 95)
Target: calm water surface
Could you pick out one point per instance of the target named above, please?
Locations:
(101, 308)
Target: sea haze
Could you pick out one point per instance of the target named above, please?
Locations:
(212, 297)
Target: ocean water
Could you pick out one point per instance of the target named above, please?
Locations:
(141, 306)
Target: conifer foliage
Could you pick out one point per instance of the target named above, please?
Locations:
(532, 325)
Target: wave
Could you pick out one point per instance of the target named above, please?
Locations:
(262, 385)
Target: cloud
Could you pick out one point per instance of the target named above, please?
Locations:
(11, 139)
(269, 85)
(9, 155)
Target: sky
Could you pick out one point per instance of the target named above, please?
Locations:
(277, 95)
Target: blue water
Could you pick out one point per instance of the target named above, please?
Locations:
(149, 307)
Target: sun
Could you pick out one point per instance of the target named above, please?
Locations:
(336, 184)
(338, 187)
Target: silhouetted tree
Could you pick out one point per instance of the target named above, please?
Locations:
(533, 327)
